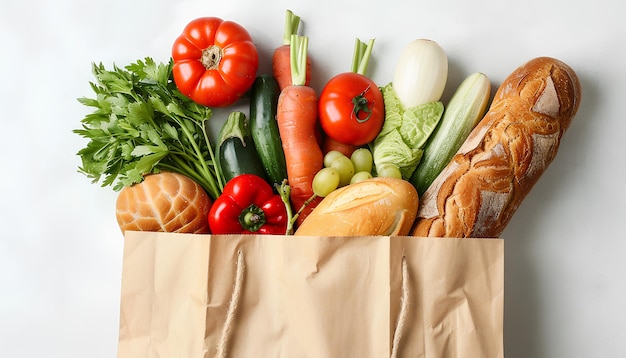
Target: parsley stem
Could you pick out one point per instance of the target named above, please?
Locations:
(218, 173)
(209, 181)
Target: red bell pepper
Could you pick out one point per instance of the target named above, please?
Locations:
(248, 205)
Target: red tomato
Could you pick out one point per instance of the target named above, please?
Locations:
(351, 109)
(215, 61)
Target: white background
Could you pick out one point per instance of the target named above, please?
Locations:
(61, 249)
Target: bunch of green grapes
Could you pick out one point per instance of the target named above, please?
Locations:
(339, 170)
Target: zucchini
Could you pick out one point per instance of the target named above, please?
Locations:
(465, 109)
(264, 127)
(236, 152)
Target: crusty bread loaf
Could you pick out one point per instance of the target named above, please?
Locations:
(168, 202)
(377, 206)
(504, 156)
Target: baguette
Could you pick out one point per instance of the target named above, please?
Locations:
(166, 202)
(485, 182)
(376, 206)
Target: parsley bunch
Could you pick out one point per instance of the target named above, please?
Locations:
(142, 124)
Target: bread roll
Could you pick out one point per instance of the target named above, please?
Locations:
(376, 206)
(504, 156)
(168, 202)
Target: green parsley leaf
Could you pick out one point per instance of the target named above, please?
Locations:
(142, 124)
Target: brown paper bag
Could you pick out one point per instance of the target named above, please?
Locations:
(189, 296)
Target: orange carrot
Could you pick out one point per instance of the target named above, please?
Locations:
(281, 59)
(297, 122)
(331, 144)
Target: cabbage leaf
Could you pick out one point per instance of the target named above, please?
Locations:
(404, 133)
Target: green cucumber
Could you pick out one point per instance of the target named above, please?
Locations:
(465, 109)
(264, 127)
(236, 152)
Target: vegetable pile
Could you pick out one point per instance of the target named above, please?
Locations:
(272, 166)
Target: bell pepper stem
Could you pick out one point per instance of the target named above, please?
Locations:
(252, 218)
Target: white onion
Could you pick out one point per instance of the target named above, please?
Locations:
(421, 73)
